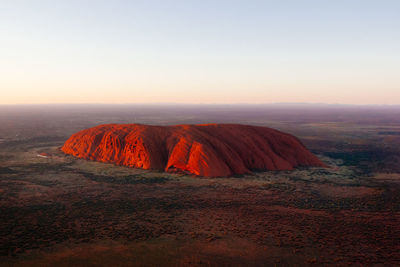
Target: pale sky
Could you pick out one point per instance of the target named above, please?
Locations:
(326, 51)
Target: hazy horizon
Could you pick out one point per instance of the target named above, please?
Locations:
(295, 104)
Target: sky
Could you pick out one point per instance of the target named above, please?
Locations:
(169, 51)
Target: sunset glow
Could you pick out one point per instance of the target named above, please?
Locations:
(200, 52)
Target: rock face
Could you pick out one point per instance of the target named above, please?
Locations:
(211, 150)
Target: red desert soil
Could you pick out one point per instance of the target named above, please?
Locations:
(211, 150)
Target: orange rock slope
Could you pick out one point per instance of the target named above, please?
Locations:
(211, 150)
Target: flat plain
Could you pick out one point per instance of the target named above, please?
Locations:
(59, 210)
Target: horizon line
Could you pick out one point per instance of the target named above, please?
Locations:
(195, 104)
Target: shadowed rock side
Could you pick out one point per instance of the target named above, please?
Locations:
(206, 150)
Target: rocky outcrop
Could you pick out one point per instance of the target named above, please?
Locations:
(212, 150)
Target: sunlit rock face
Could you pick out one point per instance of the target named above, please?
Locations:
(211, 150)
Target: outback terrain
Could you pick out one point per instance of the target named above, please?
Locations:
(57, 210)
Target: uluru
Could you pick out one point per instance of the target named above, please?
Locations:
(210, 150)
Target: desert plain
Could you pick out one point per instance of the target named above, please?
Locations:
(57, 210)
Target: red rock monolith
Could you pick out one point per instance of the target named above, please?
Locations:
(212, 150)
